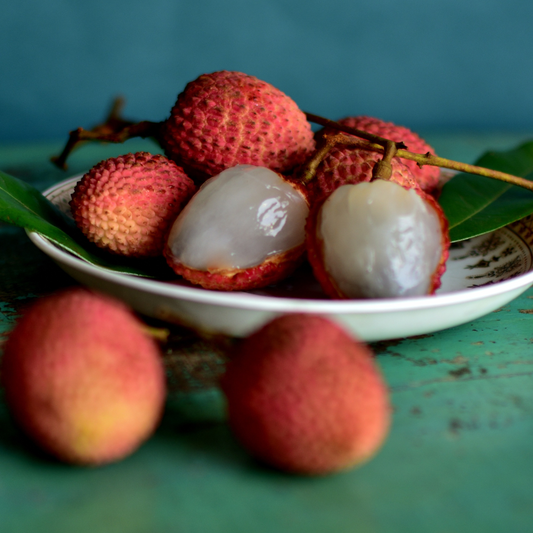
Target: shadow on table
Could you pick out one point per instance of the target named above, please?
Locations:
(14, 442)
(193, 428)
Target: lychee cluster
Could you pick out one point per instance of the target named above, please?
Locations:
(255, 219)
(86, 382)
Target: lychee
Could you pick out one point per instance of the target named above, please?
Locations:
(126, 204)
(228, 118)
(378, 240)
(82, 378)
(344, 165)
(243, 229)
(305, 397)
(426, 176)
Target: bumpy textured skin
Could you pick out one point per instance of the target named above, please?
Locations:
(126, 204)
(82, 379)
(427, 176)
(228, 118)
(344, 166)
(315, 245)
(272, 270)
(305, 397)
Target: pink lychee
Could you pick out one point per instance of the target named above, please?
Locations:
(305, 397)
(426, 176)
(228, 118)
(126, 204)
(82, 378)
(344, 165)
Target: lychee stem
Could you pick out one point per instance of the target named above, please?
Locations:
(114, 129)
(353, 131)
(158, 334)
(383, 169)
(421, 159)
(324, 144)
(430, 159)
(328, 141)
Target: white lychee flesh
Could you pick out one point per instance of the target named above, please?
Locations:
(380, 240)
(237, 219)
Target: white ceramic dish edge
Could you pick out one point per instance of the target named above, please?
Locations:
(239, 314)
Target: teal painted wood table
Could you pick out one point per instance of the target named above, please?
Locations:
(459, 457)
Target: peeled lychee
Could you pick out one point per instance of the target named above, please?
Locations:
(243, 229)
(426, 176)
(305, 397)
(227, 118)
(82, 378)
(378, 240)
(126, 204)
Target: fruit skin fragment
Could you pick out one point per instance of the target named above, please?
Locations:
(82, 379)
(305, 397)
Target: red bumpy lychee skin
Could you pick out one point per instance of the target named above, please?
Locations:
(82, 378)
(305, 397)
(315, 245)
(270, 271)
(344, 165)
(427, 176)
(228, 118)
(126, 204)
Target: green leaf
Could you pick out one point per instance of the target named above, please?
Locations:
(475, 205)
(23, 205)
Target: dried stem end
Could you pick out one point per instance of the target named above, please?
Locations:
(383, 169)
(114, 129)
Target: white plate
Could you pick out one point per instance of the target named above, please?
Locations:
(482, 275)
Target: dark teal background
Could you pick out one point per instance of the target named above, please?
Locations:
(447, 65)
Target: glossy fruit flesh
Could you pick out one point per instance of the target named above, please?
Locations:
(238, 220)
(379, 240)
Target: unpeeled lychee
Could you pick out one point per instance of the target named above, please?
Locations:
(82, 378)
(228, 118)
(305, 397)
(426, 176)
(126, 204)
(344, 165)
(377, 240)
(244, 229)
